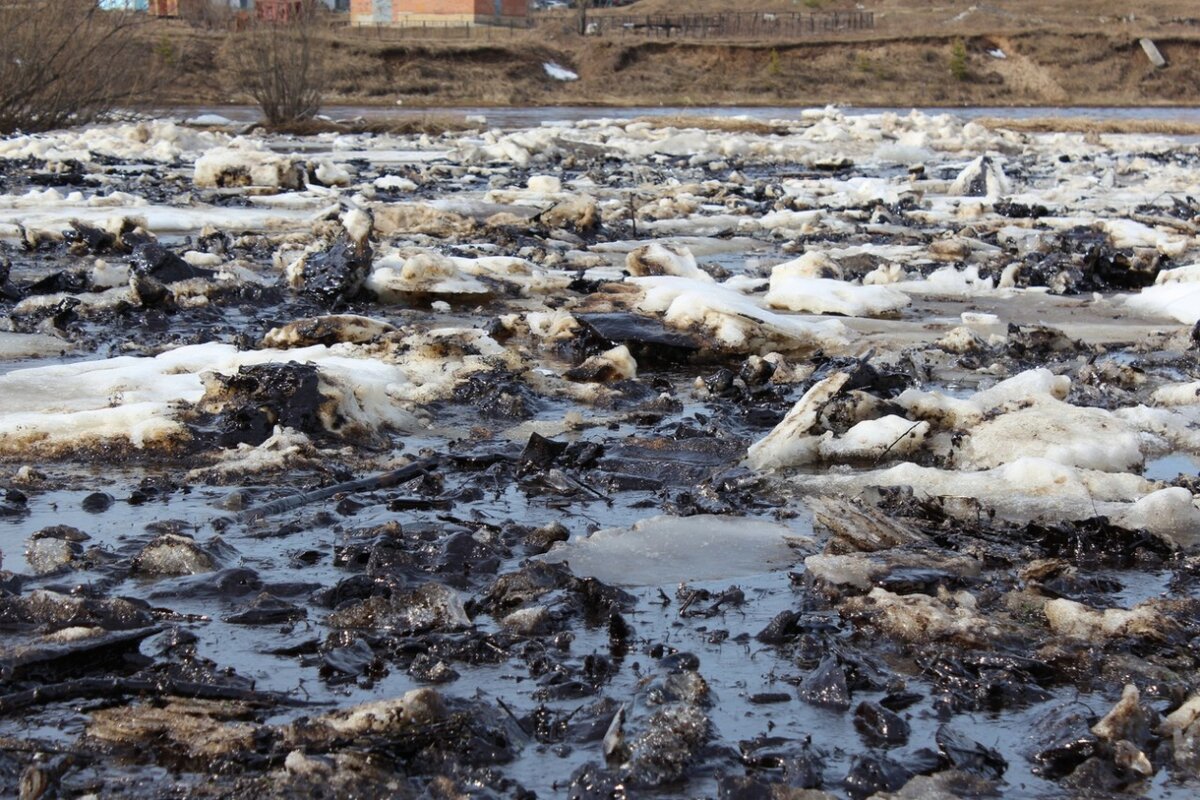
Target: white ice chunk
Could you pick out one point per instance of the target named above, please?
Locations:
(978, 318)
(954, 412)
(875, 438)
(106, 275)
(1022, 490)
(664, 259)
(732, 319)
(829, 296)
(1130, 233)
(1170, 512)
(950, 282)
(236, 167)
(138, 400)
(961, 340)
(1177, 394)
(1178, 427)
(332, 174)
(544, 184)
(1179, 301)
(394, 278)
(556, 325)
(357, 224)
(983, 177)
(1189, 273)
(813, 264)
(394, 183)
(1091, 438)
(209, 120)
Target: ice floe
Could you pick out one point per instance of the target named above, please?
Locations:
(140, 402)
(733, 320)
(665, 550)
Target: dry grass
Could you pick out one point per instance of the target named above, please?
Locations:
(902, 63)
(1086, 125)
(431, 124)
(907, 17)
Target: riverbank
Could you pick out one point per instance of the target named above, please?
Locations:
(947, 66)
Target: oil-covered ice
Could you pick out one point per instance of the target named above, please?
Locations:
(855, 458)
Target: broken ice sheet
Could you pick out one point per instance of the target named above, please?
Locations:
(664, 550)
(140, 401)
(734, 321)
(502, 264)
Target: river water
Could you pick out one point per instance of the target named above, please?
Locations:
(672, 437)
(531, 116)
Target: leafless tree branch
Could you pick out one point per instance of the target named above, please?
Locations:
(281, 64)
(64, 62)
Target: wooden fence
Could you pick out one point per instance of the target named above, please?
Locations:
(731, 25)
(447, 31)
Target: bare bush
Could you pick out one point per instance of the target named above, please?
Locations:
(213, 16)
(281, 63)
(64, 62)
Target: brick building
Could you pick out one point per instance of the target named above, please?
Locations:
(437, 12)
(273, 10)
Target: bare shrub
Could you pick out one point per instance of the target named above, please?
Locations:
(212, 16)
(64, 62)
(281, 63)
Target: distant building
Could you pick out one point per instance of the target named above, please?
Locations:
(177, 8)
(278, 10)
(438, 12)
(164, 8)
(264, 9)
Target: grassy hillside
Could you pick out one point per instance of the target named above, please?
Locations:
(918, 54)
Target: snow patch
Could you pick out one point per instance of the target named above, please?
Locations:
(559, 72)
